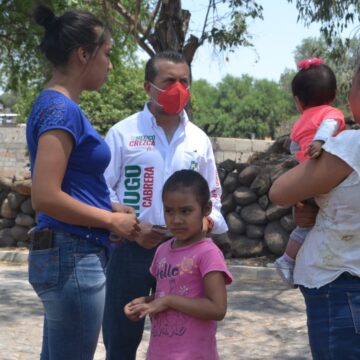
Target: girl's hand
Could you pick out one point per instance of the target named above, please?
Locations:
(314, 149)
(124, 225)
(130, 309)
(150, 308)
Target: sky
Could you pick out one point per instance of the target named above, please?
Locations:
(275, 39)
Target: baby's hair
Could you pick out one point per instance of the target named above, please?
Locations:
(315, 85)
(72, 30)
(189, 179)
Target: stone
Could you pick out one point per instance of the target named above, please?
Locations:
(275, 212)
(6, 223)
(15, 200)
(287, 222)
(242, 246)
(276, 172)
(238, 209)
(26, 207)
(228, 165)
(290, 162)
(222, 174)
(276, 237)
(235, 223)
(3, 194)
(228, 203)
(6, 239)
(263, 201)
(24, 220)
(5, 183)
(22, 187)
(244, 196)
(23, 244)
(223, 242)
(6, 211)
(239, 167)
(255, 231)
(261, 184)
(19, 233)
(253, 214)
(247, 176)
(230, 182)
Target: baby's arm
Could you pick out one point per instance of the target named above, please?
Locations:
(327, 128)
(211, 307)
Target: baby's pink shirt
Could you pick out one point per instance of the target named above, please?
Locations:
(181, 271)
(305, 128)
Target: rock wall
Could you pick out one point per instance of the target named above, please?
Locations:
(17, 216)
(14, 157)
(256, 226)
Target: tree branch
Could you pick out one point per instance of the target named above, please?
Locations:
(152, 19)
(205, 22)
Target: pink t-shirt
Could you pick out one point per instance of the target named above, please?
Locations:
(175, 335)
(305, 128)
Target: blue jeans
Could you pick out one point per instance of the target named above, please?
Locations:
(333, 319)
(70, 281)
(127, 277)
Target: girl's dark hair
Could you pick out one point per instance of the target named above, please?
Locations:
(314, 86)
(72, 30)
(188, 178)
(170, 55)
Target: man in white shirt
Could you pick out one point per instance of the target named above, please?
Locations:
(147, 148)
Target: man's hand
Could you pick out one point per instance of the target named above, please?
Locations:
(150, 236)
(305, 214)
(314, 149)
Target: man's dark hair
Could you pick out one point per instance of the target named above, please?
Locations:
(151, 66)
(314, 86)
(190, 179)
(70, 31)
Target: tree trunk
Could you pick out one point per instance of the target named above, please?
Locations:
(171, 28)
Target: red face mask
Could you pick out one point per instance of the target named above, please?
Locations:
(174, 98)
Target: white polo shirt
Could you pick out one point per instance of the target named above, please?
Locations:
(143, 159)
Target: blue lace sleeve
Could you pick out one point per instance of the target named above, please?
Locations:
(55, 111)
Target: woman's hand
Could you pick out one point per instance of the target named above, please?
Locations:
(124, 225)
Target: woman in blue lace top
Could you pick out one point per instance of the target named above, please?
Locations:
(68, 157)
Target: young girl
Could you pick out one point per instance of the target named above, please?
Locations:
(313, 88)
(191, 275)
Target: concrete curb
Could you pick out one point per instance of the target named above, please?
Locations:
(13, 256)
(239, 272)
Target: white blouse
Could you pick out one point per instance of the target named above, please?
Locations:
(333, 245)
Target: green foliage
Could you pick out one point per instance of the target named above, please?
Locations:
(334, 17)
(161, 25)
(122, 96)
(229, 31)
(240, 107)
